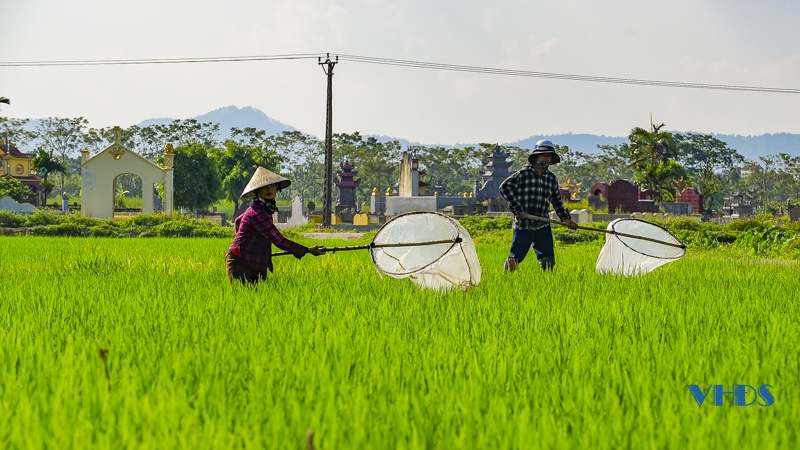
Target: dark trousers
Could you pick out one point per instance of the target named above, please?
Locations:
(238, 270)
(540, 240)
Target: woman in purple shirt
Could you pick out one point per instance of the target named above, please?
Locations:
(250, 255)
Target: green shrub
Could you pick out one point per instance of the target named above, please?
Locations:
(104, 229)
(11, 220)
(42, 218)
(146, 221)
(59, 229)
(175, 228)
(682, 223)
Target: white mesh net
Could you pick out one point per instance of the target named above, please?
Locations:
(435, 266)
(626, 255)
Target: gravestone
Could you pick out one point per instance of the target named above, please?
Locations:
(693, 196)
(794, 214)
(376, 218)
(623, 196)
(298, 216)
(599, 189)
(582, 216)
(646, 206)
(743, 210)
(377, 202)
(597, 203)
(678, 209)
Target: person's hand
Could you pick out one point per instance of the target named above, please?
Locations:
(316, 250)
(571, 224)
(520, 216)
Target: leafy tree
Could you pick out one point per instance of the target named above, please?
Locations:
(789, 168)
(457, 168)
(13, 188)
(697, 152)
(14, 130)
(196, 182)
(46, 164)
(302, 158)
(235, 165)
(707, 160)
(63, 136)
(661, 176)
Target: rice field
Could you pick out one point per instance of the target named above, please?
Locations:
(143, 343)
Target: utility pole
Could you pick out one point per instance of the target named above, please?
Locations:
(327, 67)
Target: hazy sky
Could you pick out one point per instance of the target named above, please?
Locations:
(733, 42)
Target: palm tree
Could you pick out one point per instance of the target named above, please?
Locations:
(649, 149)
(45, 163)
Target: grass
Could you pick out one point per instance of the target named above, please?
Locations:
(557, 360)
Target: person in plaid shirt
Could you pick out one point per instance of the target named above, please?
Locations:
(250, 255)
(531, 190)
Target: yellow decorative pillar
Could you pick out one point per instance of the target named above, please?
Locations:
(169, 158)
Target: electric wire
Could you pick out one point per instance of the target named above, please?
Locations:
(405, 63)
(561, 76)
(113, 62)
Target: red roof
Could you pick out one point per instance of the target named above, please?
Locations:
(15, 152)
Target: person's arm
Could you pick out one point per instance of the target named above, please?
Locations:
(268, 229)
(508, 189)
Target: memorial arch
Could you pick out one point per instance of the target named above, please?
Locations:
(99, 174)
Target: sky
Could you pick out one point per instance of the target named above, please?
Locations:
(732, 42)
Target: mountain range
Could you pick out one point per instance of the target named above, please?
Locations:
(231, 116)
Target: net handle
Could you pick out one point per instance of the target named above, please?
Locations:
(603, 230)
(374, 245)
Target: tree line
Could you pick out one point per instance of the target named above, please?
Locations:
(210, 168)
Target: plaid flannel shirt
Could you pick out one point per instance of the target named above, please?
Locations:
(527, 191)
(255, 234)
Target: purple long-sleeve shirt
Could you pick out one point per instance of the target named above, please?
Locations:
(255, 234)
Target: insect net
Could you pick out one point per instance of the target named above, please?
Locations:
(652, 247)
(438, 266)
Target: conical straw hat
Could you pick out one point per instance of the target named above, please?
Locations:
(264, 177)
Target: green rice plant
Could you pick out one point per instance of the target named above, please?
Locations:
(130, 343)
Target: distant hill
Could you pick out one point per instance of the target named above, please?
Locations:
(586, 143)
(751, 147)
(231, 116)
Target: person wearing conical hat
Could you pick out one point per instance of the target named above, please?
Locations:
(531, 190)
(250, 255)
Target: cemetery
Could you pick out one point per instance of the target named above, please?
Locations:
(619, 199)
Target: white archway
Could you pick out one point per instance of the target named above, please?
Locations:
(99, 174)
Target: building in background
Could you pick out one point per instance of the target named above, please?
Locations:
(18, 165)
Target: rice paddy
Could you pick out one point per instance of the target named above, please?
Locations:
(143, 343)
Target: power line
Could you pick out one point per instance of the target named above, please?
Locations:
(116, 62)
(408, 63)
(560, 76)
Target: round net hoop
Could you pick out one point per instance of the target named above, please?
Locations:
(436, 266)
(647, 247)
